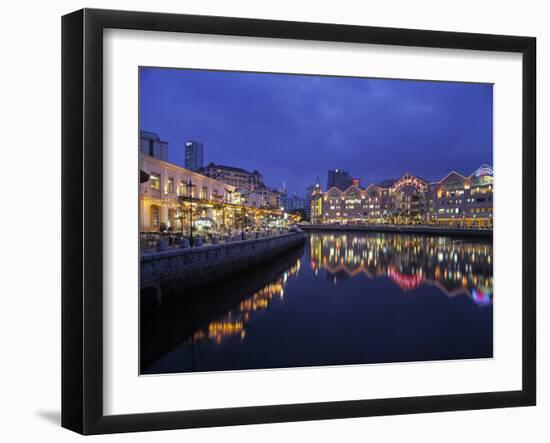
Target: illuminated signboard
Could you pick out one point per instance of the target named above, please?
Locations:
(410, 180)
(484, 171)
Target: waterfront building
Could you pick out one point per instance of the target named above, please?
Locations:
(238, 177)
(454, 201)
(151, 144)
(460, 200)
(339, 179)
(262, 196)
(174, 198)
(194, 155)
(159, 195)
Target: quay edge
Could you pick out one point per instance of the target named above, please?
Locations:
(422, 230)
(185, 268)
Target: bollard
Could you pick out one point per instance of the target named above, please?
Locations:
(197, 242)
(215, 240)
(184, 243)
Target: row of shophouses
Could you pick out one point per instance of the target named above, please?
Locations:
(454, 201)
(172, 198)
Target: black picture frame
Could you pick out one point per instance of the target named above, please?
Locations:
(82, 216)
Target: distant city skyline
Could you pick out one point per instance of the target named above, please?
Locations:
(293, 128)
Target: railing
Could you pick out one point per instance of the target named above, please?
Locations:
(149, 241)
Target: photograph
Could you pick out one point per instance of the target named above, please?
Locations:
(296, 220)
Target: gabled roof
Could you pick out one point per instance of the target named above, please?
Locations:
(335, 188)
(453, 173)
(353, 187)
(373, 185)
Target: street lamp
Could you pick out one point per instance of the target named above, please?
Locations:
(190, 187)
(242, 217)
(242, 200)
(230, 200)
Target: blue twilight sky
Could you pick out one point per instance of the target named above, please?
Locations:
(292, 128)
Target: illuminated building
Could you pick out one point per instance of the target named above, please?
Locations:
(159, 203)
(265, 196)
(454, 201)
(238, 177)
(194, 155)
(172, 197)
(464, 201)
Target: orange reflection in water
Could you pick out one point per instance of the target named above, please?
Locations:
(234, 322)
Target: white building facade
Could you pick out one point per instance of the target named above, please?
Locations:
(166, 183)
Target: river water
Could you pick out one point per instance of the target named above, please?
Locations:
(342, 298)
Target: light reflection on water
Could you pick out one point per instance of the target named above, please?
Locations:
(233, 323)
(364, 298)
(410, 261)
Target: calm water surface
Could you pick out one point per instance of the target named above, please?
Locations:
(344, 298)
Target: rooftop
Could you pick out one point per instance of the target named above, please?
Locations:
(230, 168)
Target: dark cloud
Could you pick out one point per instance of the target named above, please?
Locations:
(292, 128)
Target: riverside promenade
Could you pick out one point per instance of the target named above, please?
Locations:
(404, 229)
(188, 267)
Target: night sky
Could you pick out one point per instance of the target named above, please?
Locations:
(292, 128)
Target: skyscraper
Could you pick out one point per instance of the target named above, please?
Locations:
(194, 155)
(151, 144)
(338, 178)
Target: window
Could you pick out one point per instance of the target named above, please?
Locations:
(155, 215)
(181, 188)
(154, 179)
(204, 193)
(170, 185)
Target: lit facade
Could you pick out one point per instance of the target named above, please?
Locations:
(238, 177)
(455, 201)
(172, 198)
(159, 195)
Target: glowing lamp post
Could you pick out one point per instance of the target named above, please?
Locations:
(190, 187)
(242, 199)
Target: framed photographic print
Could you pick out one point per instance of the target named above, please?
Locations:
(269, 221)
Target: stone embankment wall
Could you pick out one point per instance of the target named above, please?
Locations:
(201, 265)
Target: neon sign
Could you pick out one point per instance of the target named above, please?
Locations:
(410, 180)
(484, 171)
